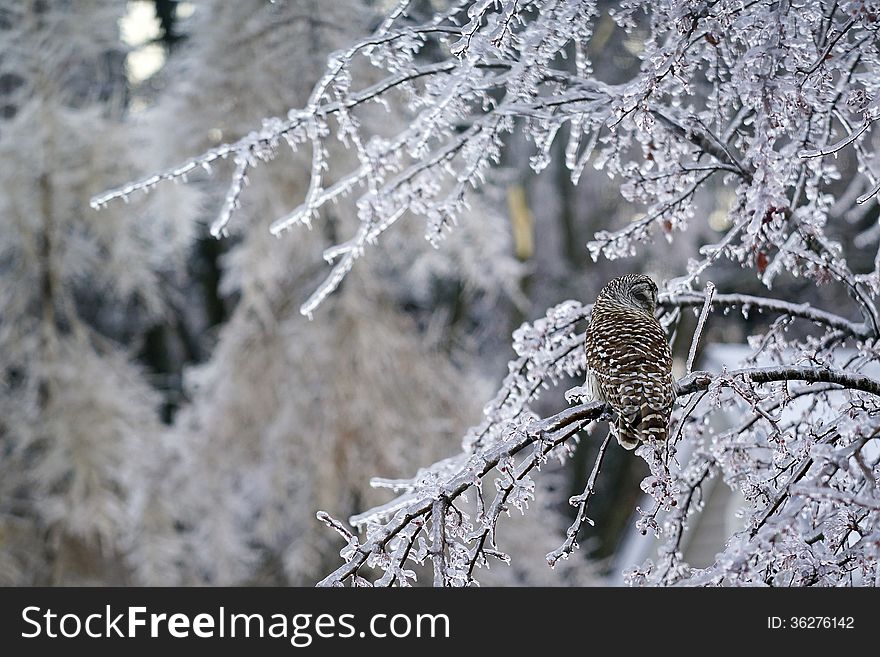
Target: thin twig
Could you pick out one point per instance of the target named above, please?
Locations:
(831, 43)
(438, 542)
(708, 143)
(796, 475)
(698, 332)
(582, 500)
(808, 153)
(801, 310)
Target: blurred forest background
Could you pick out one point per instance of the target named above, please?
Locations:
(166, 414)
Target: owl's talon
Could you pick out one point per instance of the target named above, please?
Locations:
(577, 395)
(608, 415)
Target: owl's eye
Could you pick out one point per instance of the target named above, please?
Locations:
(644, 294)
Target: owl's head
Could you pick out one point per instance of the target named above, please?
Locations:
(634, 290)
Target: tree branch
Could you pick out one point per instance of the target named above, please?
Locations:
(708, 295)
(706, 141)
(583, 501)
(802, 310)
(558, 428)
(702, 380)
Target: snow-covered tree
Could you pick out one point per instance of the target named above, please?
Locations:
(772, 102)
(79, 420)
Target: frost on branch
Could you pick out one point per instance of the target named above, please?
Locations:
(753, 96)
(429, 167)
(490, 479)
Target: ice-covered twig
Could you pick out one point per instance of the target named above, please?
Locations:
(707, 142)
(335, 525)
(438, 542)
(797, 474)
(638, 230)
(582, 501)
(827, 493)
(808, 153)
(871, 193)
(701, 322)
(670, 552)
(831, 42)
(747, 301)
(231, 203)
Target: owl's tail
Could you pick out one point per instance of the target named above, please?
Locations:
(646, 423)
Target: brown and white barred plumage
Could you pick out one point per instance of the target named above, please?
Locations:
(629, 363)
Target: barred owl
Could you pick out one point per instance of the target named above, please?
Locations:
(629, 363)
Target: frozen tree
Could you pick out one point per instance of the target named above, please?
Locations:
(774, 102)
(78, 417)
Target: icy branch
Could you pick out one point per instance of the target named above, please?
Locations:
(708, 295)
(582, 501)
(558, 428)
(708, 143)
(839, 145)
(746, 301)
(553, 431)
(758, 375)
